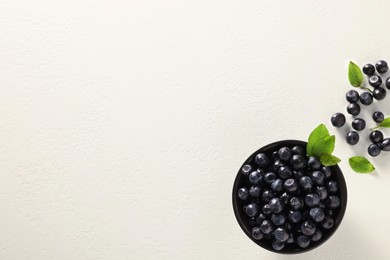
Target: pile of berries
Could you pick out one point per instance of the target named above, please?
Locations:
(289, 199)
(379, 143)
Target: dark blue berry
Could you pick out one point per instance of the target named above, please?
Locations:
(374, 150)
(379, 93)
(284, 172)
(317, 214)
(369, 69)
(381, 66)
(352, 96)
(275, 155)
(268, 195)
(277, 186)
(353, 109)
(327, 223)
(313, 163)
(260, 218)
(378, 116)
(303, 241)
(327, 171)
(312, 199)
(374, 81)
(318, 177)
(266, 209)
(278, 219)
(276, 205)
(290, 239)
(298, 162)
(296, 203)
(333, 202)
(338, 120)
(255, 177)
(266, 227)
(285, 197)
(246, 169)
(255, 191)
(285, 154)
(256, 233)
(262, 160)
(243, 194)
(298, 150)
(252, 209)
(387, 83)
(298, 174)
(281, 234)
(352, 137)
(269, 177)
(306, 182)
(358, 124)
(277, 164)
(376, 136)
(291, 185)
(321, 191)
(332, 186)
(385, 145)
(366, 98)
(308, 228)
(294, 216)
(317, 235)
(277, 245)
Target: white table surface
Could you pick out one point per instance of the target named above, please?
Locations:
(123, 123)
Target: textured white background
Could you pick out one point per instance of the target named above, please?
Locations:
(123, 123)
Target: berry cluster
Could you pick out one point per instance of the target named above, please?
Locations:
(379, 143)
(290, 199)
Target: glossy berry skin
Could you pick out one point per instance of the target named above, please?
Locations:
(294, 216)
(266, 209)
(332, 186)
(243, 194)
(260, 218)
(303, 241)
(268, 195)
(275, 155)
(252, 209)
(378, 116)
(256, 233)
(306, 182)
(358, 124)
(296, 203)
(368, 69)
(375, 81)
(277, 245)
(327, 223)
(278, 219)
(284, 172)
(352, 137)
(317, 214)
(352, 96)
(298, 162)
(281, 234)
(387, 83)
(277, 186)
(385, 145)
(321, 191)
(317, 235)
(312, 200)
(333, 202)
(291, 185)
(285, 154)
(379, 93)
(366, 98)
(318, 177)
(373, 150)
(285, 197)
(308, 228)
(381, 66)
(255, 192)
(255, 177)
(376, 136)
(276, 205)
(327, 171)
(337, 120)
(266, 227)
(313, 163)
(246, 169)
(297, 150)
(262, 160)
(269, 177)
(353, 109)
(277, 164)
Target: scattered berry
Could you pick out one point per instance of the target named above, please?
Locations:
(379, 93)
(366, 98)
(358, 124)
(376, 136)
(387, 83)
(338, 120)
(369, 69)
(352, 96)
(385, 145)
(378, 116)
(375, 81)
(353, 109)
(381, 66)
(352, 137)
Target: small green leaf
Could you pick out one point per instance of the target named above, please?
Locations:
(324, 146)
(385, 122)
(355, 75)
(329, 160)
(318, 134)
(360, 164)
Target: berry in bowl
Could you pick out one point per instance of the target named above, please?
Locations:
(286, 201)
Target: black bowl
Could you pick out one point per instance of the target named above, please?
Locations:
(243, 219)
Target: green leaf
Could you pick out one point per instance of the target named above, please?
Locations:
(360, 164)
(324, 146)
(329, 160)
(385, 122)
(355, 75)
(318, 134)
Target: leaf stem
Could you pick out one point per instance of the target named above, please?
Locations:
(365, 88)
(374, 128)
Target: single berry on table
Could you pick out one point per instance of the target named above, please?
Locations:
(353, 109)
(385, 145)
(376, 136)
(374, 81)
(378, 116)
(255, 191)
(285, 154)
(262, 160)
(252, 209)
(374, 150)
(338, 120)
(313, 163)
(381, 66)
(369, 69)
(358, 124)
(352, 137)
(243, 194)
(352, 96)
(366, 98)
(256, 233)
(387, 83)
(379, 93)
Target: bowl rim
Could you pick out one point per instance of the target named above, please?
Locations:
(343, 199)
